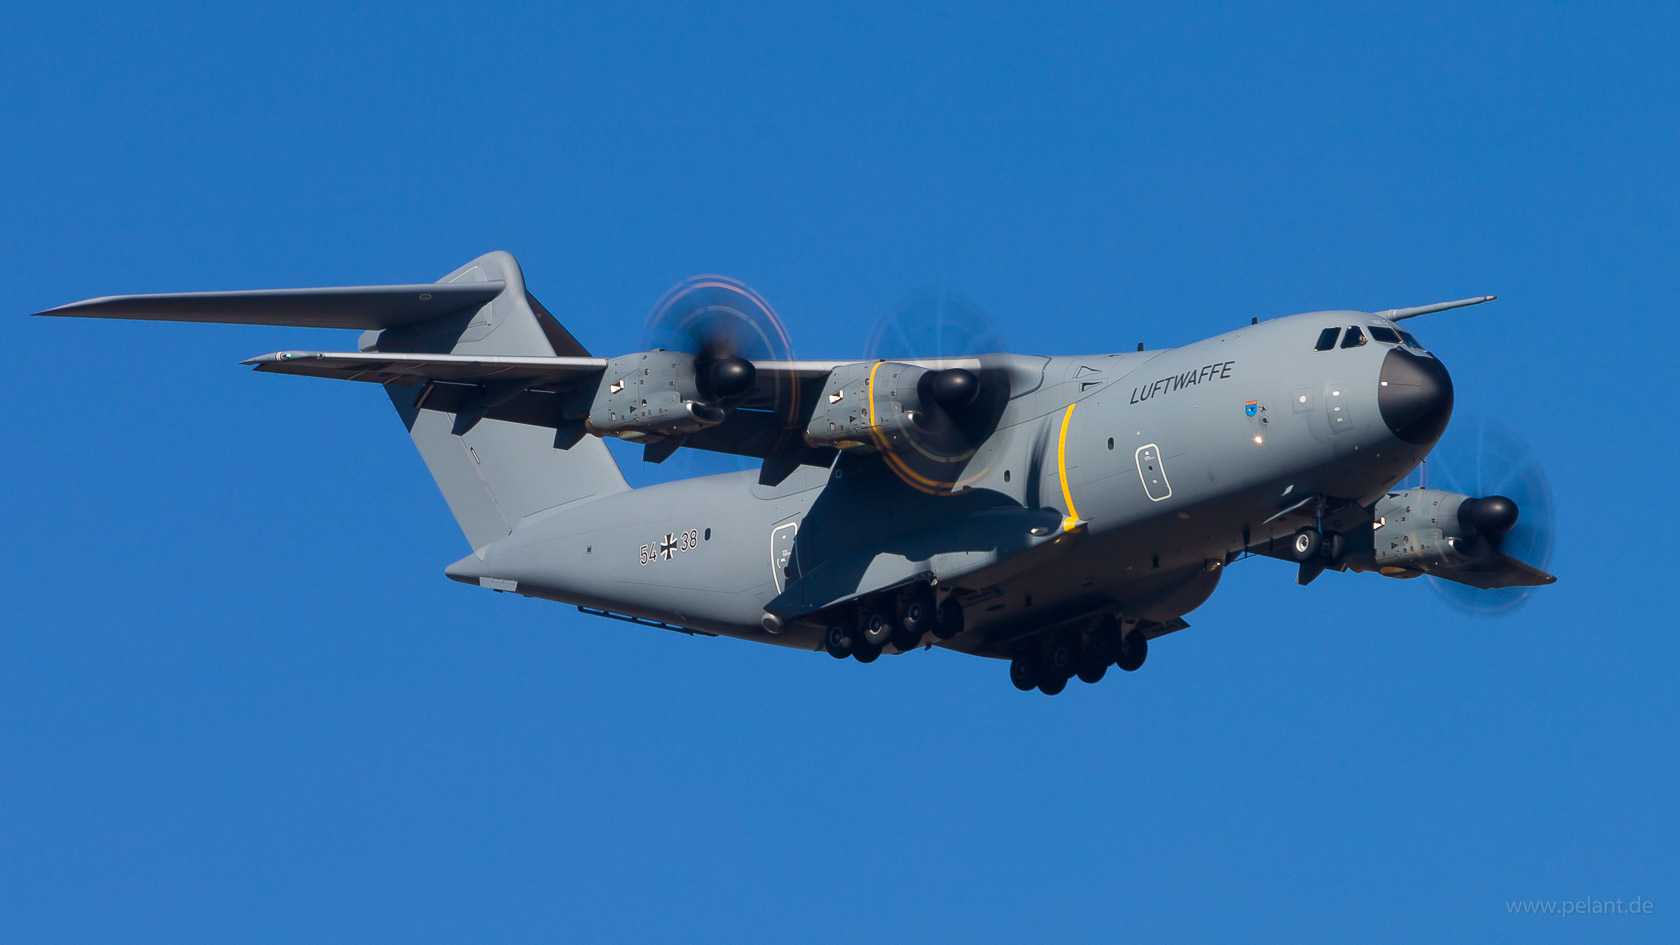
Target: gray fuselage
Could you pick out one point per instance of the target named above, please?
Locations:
(1162, 464)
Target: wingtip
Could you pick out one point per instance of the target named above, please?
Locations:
(81, 308)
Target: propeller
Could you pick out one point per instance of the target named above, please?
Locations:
(728, 327)
(725, 325)
(1512, 510)
(951, 413)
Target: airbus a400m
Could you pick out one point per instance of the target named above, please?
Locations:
(1059, 513)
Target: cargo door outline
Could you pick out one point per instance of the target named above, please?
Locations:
(1152, 472)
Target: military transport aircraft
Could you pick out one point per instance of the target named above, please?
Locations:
(1057, 512)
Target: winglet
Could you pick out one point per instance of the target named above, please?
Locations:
(1400, 314)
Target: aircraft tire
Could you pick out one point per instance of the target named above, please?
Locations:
(1023, 672)
(1306, 544)
(950, 622)
(865, 652)
(1105, 641)
(1335, 549)
(1134, 650)
(1092, 669)
(1051, 685)
(878, 626)
(837, 640)
(1060, 659)
(920, 614)
(906, 639)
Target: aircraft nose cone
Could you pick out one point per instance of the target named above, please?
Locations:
(1414, 396)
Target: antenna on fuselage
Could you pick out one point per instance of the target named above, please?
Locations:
(1401, 314)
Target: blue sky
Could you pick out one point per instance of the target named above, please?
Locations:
(242, 703)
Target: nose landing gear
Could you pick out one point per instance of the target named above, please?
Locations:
(1316, 551)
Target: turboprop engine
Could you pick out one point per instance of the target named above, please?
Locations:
(888, 406)
(1422, 530)
(667, 393)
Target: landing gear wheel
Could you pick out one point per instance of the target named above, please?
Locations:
(920, 614)
(906, 639)
(1092, 668)
(1023, 672)
(878, 627)
(1335, 549)
(1105, 641)
(1134, 649)
(837, 640)
(950, 622)
(865, 652)
(1059, 659)
(1306, 544)
(1052, 685)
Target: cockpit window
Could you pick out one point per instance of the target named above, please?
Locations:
(1409, 339)
(1354, 338)
(1327, 338)
(1385, 335)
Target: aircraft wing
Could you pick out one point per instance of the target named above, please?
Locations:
(364, 307)
(555, 392)
(381, 367)
(1503, 571)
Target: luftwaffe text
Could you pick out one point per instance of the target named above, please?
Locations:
(1167, 385)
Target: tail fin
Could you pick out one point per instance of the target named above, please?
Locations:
(497, 472)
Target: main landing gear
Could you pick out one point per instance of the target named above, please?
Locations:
(901, 620)
(1057, 659)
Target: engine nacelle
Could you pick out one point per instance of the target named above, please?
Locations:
(1417, 530)
(879, 405)
(651, 394)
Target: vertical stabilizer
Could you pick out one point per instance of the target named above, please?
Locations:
(498, 472)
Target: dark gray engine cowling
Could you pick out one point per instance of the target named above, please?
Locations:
(651, 394)
(882, 405)
(1419, 530)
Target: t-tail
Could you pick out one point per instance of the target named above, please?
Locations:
(494, 473)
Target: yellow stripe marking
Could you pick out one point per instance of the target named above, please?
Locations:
(869, 395)
(1072, 520)
(883, 443)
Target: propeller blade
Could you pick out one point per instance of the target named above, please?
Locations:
(1513, 508)
(953, 416)
(727, 326)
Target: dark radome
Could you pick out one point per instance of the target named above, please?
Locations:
(1415, 397)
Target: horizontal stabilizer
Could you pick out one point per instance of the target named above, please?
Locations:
(360, 307)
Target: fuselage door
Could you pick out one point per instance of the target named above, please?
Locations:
(782, 564)
(1153, 473)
